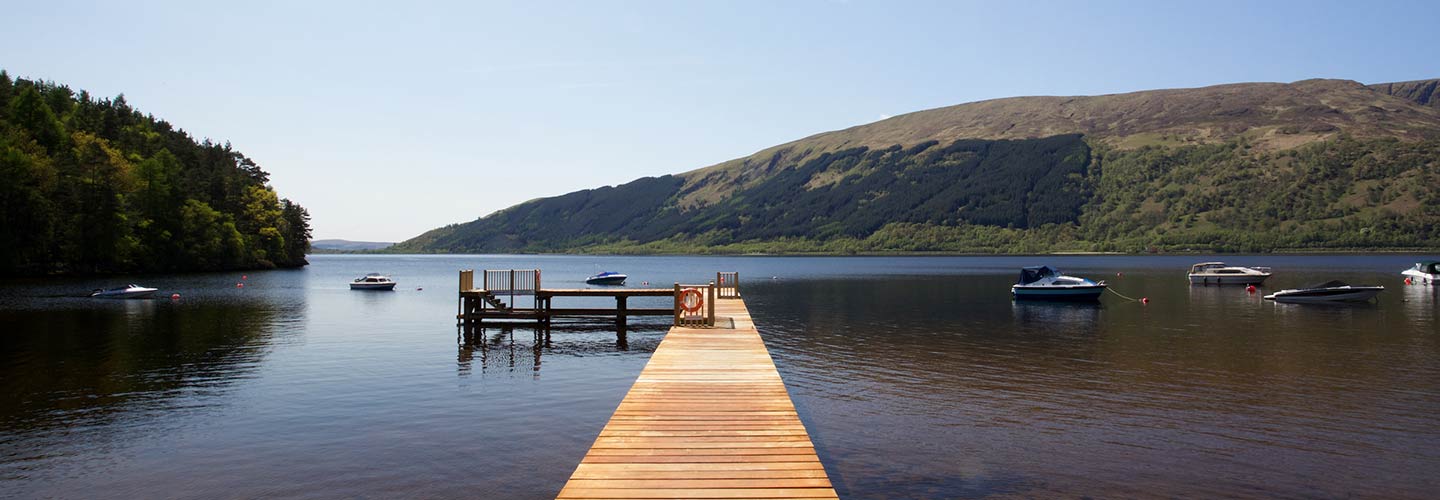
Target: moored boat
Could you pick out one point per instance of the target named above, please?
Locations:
(1217, 273)
(373, 281)
(606, 278)
(1046, 283)
(132, 291)
(1329, 291)
(1427, 272)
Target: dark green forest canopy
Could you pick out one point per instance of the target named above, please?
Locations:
(92, 185)
(1061, 193)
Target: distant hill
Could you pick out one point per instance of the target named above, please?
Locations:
(1330, 164)
(348, 246)
(1423, 92)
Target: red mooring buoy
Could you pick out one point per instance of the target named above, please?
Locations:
(244, 277)
(174, 296)
(1408, 282)
(1144, 300)
(239, 285)
(1117, 275)
(1250, 289)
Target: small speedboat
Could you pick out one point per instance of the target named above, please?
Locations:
(373, 281)
(1427, 272)
(1217, 273)
(606, 278)
(1329, 291)
(1045, 283)
(132, 291)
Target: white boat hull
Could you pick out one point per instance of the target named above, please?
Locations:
(373, 286)
(1356, 295)
(614, 279)
(129, 293)
(1421, 278)
(1077, 292)
(1233, 279)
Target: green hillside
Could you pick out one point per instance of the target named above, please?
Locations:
(92, 185)
(1318, 164)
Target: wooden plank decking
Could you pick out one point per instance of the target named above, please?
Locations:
(708, 417)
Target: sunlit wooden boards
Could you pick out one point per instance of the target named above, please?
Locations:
(708, 417)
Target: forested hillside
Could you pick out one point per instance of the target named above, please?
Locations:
(92, 185)
(1312, 165)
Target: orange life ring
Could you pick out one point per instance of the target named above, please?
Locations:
(691, 300)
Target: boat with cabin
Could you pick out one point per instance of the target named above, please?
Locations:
(1047, 283)
(606, 278)
(1217, 273)
(131, 291)
(373, 281)
(1427, 272)
(1329, 291)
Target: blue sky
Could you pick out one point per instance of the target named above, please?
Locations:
(387, 119)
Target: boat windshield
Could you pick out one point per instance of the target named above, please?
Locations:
(1329, 284)
(1030, 275)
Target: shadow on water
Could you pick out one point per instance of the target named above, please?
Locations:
(512, 347)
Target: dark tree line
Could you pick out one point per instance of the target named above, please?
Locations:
(91, 185)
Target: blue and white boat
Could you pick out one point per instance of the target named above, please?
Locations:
(124, 292)
(1426, 272)
(606, 278)
(1046, 283)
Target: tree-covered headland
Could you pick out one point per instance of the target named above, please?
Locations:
(92, 185)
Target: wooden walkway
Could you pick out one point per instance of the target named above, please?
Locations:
(708, 417)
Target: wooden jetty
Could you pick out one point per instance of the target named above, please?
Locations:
(708, 417)
(500, 293)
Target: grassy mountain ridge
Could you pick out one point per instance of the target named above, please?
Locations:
(1228, 167)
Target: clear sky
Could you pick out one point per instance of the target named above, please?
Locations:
(387, 119)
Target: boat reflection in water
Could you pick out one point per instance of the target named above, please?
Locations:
(1058, 317)
(1421, 302)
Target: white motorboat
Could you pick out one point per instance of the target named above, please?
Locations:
(1217, 273)
(1329, 291)
(373, 281)
(1045, 283)
(1427, 272)
(606, 278)
(132, 291)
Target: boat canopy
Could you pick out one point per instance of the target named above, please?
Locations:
(1428, 267)
(1030, 275)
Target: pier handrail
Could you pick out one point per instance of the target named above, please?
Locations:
(512, 281)
(704, 312)
(729, 285)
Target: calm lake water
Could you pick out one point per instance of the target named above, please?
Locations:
(917, 377)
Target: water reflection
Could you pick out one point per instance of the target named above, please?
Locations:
(1071, 317)
(512, 347)
(67, 377)
(1421, 302)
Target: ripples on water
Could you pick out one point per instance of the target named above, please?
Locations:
(917, 377)
(921, 388)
